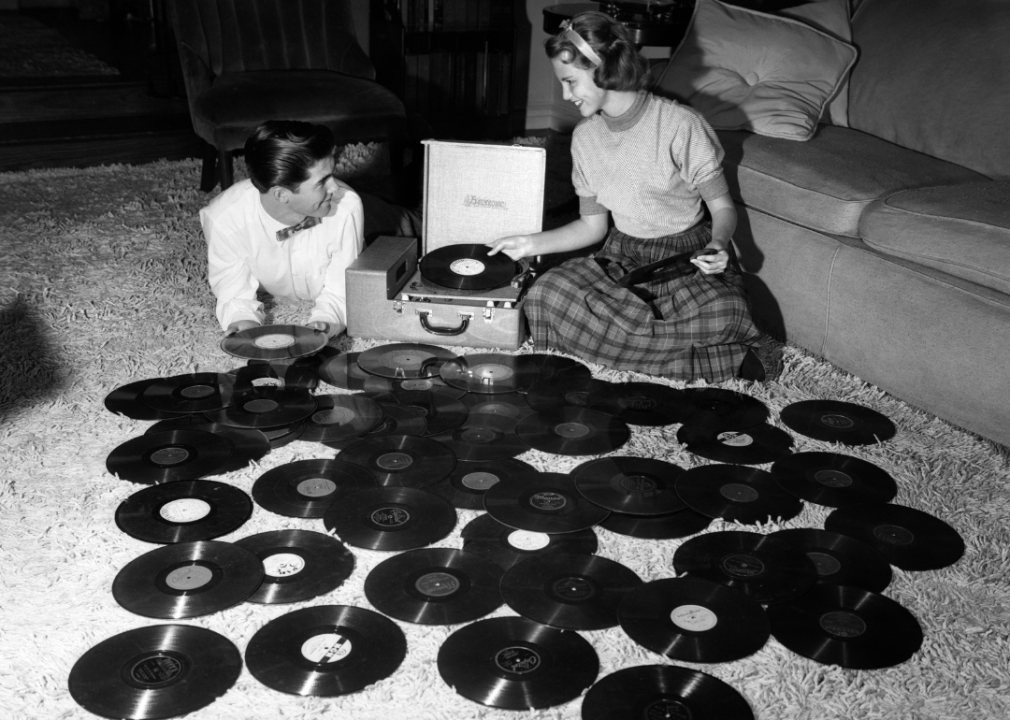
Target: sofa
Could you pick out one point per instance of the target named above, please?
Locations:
(877, 234)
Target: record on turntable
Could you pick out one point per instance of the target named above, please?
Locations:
(266, 407)
(401, 460)
(657, 527)
(490, 373)
(517, 664)
(166, 456)
(467, 266)
(719, 409)
(837, 421)
(840, 559)
(195, 392)
(910, 539)
(575, 390)
(542, 502)
(396, 420)
(571, 430)
(404, 361)
(482, 438)
(766, 568)
(466, 485)
(435, 586)
(342, 371)
(755, 445)
(297, 565)
(183, 511)
(391, 519)
(274, 342)
(507, 546)
(663, 691)
(306, 488)
(847, 626)
(158, 671)
(341, 417)
(441, 411)
(736, 494)
(694, 620)
(630, 485)
(833, 480)
(642, 403)
(556, 366)
(325, 651)
(127, 400)
(188, 579)
(247, 444)
(568, 591)
(510, 405)
(277, 374)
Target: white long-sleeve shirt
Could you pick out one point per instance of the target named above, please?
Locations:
(243, 255)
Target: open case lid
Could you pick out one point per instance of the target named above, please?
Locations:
(479, 192)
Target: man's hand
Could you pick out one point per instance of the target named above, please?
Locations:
(323, 327)
(240, 325)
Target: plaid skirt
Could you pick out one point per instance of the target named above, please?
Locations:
(680, 323)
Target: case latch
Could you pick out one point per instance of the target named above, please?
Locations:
(489, 311)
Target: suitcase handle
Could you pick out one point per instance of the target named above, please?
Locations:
(441, 330)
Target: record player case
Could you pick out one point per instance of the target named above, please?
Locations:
(473, 193)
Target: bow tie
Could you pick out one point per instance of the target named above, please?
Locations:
(303, 225)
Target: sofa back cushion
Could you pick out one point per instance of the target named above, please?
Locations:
(934, 76)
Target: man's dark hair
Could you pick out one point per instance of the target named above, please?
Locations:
(279, 153)
(623, 66)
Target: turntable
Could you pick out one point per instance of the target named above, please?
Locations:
(455, 294)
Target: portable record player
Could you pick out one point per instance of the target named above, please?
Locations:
(474, 193)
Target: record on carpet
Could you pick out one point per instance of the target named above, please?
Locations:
(396, 420)
(840, 559)
(568, 591)
(663, 691)
(557, 366)
(188, 579)
(694, 620)
(158, 671)
(507, 546)
(910, 539)
(166, 456)
(642, 403)
(267, 407)
(511, 405)
(195, 392)
(466, 485)
(834, 480)
(542, 502)
(766, 568)
(404, 361)
(274, 342)
(435, 586)
(306, 488)
(390, 519)
(482, 438)
(401, 460)
(441, 411)
(325, 651)
(377, 384)
(719, 409)
(573, 431)
(837, 421)
(127, 400)
(657, 527)
(736, 494)
(277, 374)
(183, 511)
(490, 373)
(753, 446)
(247, 444)
(517, 664)
(297, 565)
(847, 626)
(574, 390)
(285, 435)
(342, 371)
(341, 417)
(467, 266)
(630, 485)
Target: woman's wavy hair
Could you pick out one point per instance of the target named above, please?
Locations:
(280, 153)
(623, 66)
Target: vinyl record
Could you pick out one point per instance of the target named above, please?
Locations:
(195, 392)
(466, 485)
(259, 374)
(401, 460)
(836, 421)
(396, 420)
(297, 565)
(752, 446)
(482, 438)
(833, 480)
(340, 417)
(910, 539)
(694, 620)
(573, 431)
(404, 361)
(630, 485)
(575, 390)
(542, 502)
(188, 580)
(374, 383)
(557, 366)
(763, 567)
(166, 456)
(490, 373)
(467, 266)
(441, 411)
(183, 511)
(274, 342)
(510, 405)
(391, 519)
(719, 409)
(840, 559)
(306, 488)
(657, 527)
(846, 626)
(325, 651)
(247, 444)
(342, 371)
(127, 400)
(642, 403)
(517, 664)
(507, 546)
(663, 691)
(435, 586)
(267, 407)
(568, 591)
(736, 494)
(159, 671)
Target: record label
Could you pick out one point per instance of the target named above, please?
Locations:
(693, 618)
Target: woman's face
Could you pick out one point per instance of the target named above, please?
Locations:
(579, 88)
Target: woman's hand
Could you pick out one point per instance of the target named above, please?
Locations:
(240, 325)
(710, 260)
(516, 247)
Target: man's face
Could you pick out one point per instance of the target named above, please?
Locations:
(316, 196)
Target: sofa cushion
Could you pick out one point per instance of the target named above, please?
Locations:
(831, 16)
(744, 69)
(963, 230)
(826, 184)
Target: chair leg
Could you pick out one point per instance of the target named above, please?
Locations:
(226, 168)
(208, 173)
